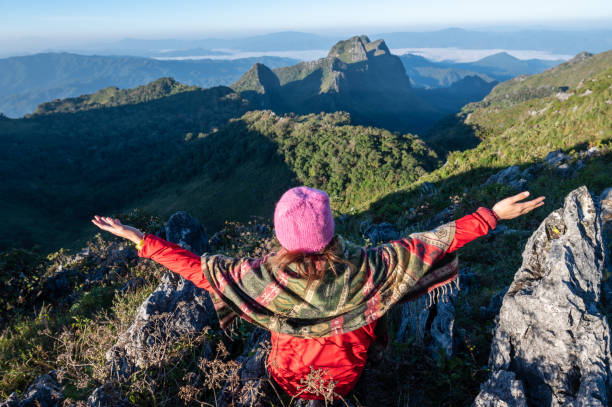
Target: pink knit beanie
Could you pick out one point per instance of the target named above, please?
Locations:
(303, 220)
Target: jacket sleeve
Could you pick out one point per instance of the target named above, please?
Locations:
(417, 264)
(472, 226)
(175, 258)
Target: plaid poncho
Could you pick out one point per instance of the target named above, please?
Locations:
(282, 301)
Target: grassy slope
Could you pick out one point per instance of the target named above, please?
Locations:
(568, 74)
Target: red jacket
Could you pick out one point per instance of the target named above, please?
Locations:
(291, 358)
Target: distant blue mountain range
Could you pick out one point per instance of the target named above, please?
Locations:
(27, 81)
(553, 41)
(500, 67)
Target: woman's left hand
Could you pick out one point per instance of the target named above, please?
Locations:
(511, 208)
(115, 227)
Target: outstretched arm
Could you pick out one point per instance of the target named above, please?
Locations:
(479, 223)
(168, 254)
(414, 266)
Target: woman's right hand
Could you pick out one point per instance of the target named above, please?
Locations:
(511, 208)
(115, 227)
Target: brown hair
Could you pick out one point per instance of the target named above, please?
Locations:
(311, 266)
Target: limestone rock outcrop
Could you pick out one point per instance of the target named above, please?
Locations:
(44, 392)
(177, 308)
(435, 323)
(552, 339)
(185, 230)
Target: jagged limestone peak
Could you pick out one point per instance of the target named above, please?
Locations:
(358, 48)
(259, 78)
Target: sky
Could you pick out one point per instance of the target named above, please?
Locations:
(28, 26)
(72, 20)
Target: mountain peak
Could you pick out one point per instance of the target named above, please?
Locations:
(581, 57)
(358, 48)
(259, 78)
(498, 58)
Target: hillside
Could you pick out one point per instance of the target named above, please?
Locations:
(59, 167)
(358, 76)
(524, 135)
(513, 102)
(557, 79)
(28, 81)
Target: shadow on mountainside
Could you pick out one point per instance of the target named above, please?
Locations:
(450, 133)
(164, 155)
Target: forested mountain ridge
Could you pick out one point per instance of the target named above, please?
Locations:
(529, 132)
(358, 76)
(113, 96)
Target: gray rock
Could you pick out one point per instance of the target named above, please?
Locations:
(505, 175)
(605, 202)
(414, 316)
(11, 401)
(578, 165)
(98, 398)
(105, 396)
(593, 151)
(184, 230)
(428, 188)
(118, 254)
(563, 169)
(58, 284)
(420, 320)
(254, 388)
(442, 326)
(551, 333)
(555, 158)
(176, 309)
(383, 232)
(501, 390)
(513, 177)
(44, 392)
(562, 96)
(445, 215)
